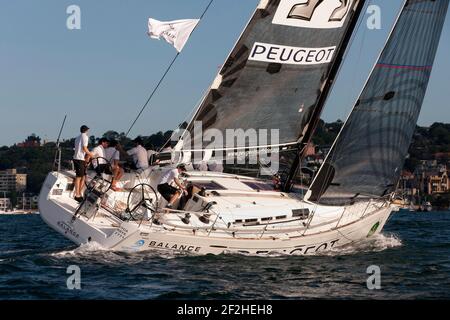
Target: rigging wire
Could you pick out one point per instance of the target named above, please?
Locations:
(186, 119)
(153, 93)
(165, 74)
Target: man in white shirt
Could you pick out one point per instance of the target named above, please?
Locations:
(112, 154)
(99, 157)
(80, 160)
(139, 154)
(165, 187)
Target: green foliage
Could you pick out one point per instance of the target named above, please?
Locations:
(33, 138)
(326, 133)
(429, 141)
(13, 197)
(441, 201)
(36, 162)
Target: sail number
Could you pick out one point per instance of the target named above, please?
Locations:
(319, 14)
(305, 11)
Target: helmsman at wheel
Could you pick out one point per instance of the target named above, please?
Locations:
(167, 190)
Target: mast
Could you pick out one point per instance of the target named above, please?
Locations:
(306, 139)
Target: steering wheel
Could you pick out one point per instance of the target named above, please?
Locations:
(99, 179)
(140, 199)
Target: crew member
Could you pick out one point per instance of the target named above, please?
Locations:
(99, 157)
(80, 160)
(139, 154)
(112, 154)
(167, 190)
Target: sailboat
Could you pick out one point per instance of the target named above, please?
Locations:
(278, 76)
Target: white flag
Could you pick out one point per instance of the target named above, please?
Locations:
(174, 32)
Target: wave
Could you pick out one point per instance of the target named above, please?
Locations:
(94, 251)
(377, 243)
(84, 249)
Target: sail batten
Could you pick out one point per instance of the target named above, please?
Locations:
(367, 157)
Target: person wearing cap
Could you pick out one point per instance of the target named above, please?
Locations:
(80, 160)
(139, 154)
(166, 188)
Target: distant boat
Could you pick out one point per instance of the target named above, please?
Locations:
(278, 76)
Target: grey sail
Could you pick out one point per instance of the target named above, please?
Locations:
(368, 155)
(277, 71)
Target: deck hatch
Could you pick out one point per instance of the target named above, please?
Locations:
(208, 185)
(259, 186)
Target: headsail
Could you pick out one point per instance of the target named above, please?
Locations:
(277, 72)
(368, 155)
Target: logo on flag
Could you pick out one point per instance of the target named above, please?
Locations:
(175, 32)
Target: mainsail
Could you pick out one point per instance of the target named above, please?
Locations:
(278, 71)
(368, 155)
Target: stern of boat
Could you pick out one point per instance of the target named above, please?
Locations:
(59, 210)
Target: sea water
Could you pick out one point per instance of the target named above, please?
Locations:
(412, 254)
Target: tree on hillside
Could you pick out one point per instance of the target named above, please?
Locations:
(33, 138)
(111, 135)
(326, 133)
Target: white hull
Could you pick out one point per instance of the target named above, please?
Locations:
(326, 228)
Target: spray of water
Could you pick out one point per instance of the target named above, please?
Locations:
(377, 243)
(84, 249)
(95, 251)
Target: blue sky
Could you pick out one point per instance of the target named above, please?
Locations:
(102, 74)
